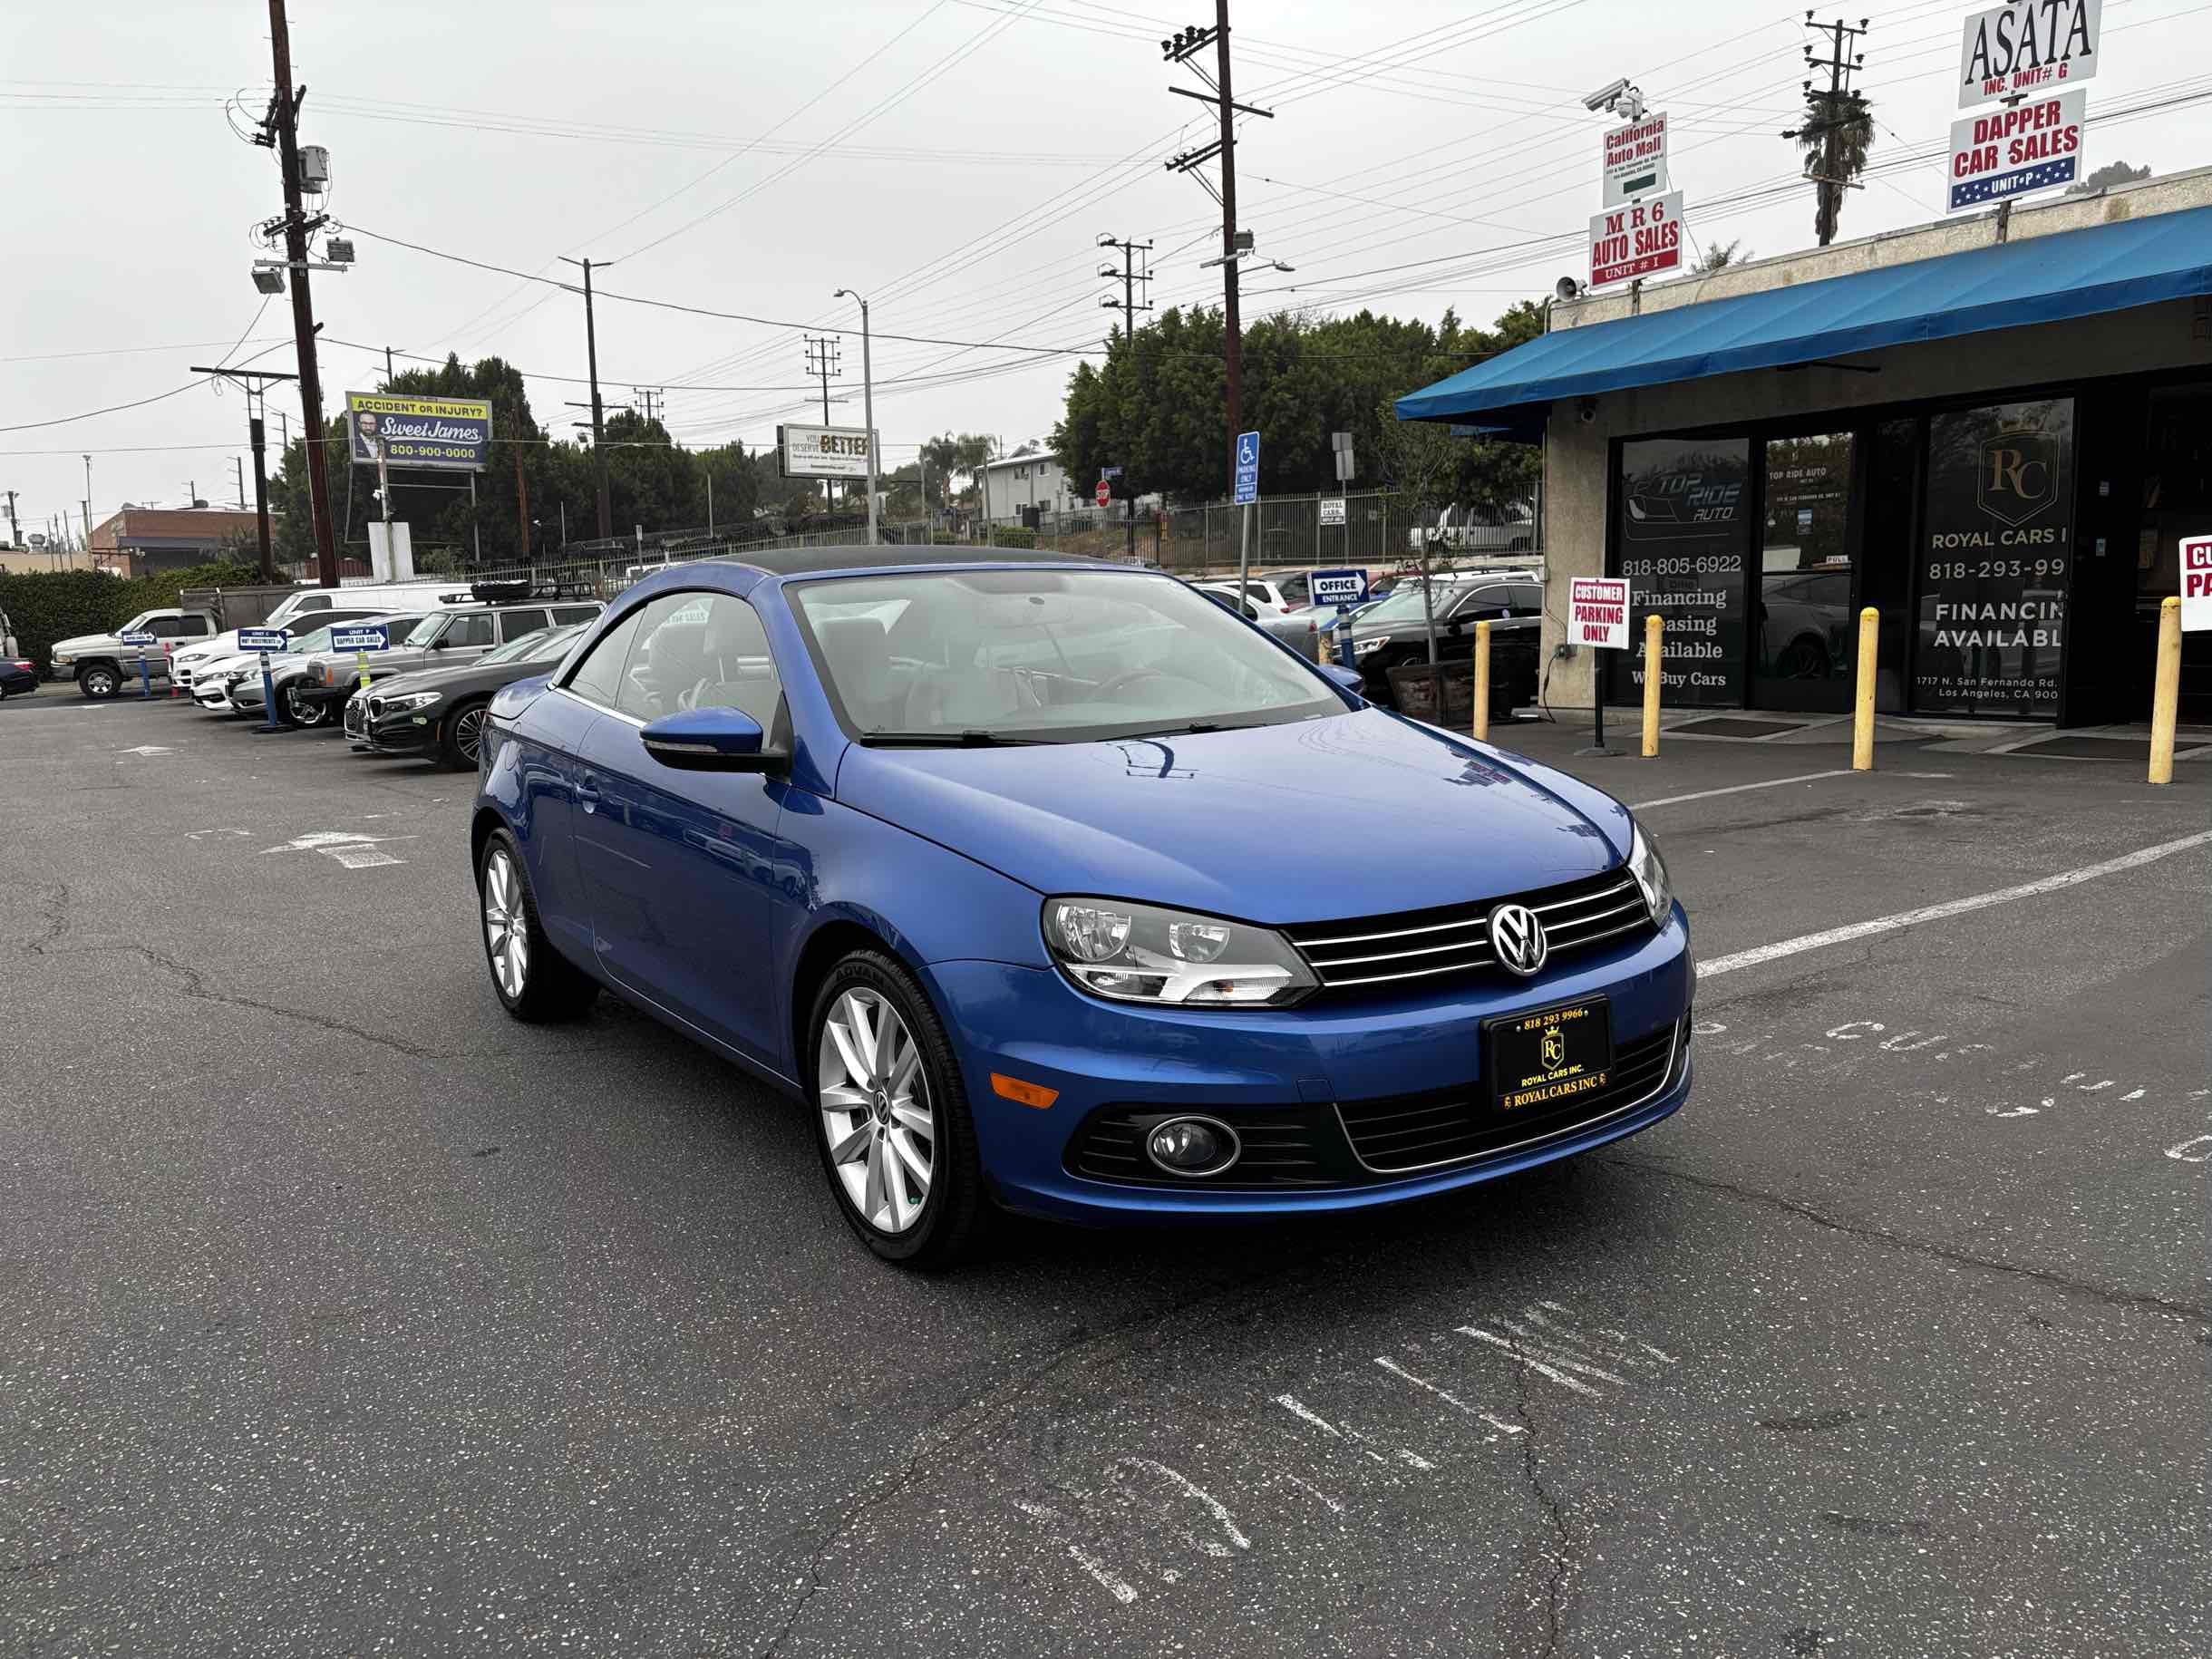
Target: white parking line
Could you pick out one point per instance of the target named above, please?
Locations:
(1956, 906)
(1737, 789)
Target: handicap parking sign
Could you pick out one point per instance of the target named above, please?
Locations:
(1248, 467)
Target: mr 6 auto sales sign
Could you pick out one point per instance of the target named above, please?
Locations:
(1637, 241)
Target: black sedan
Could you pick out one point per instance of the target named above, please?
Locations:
(439, 712)
(1394, 633)
(17, 676)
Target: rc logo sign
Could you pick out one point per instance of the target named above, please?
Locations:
(2019, 474)
(1554, 1047)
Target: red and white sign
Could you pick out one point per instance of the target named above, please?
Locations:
(2028, 146)
(1597, 612)
(2028, 47)
(1104, 493)
(1637, 241)
(1634, 159)
(2196, 584)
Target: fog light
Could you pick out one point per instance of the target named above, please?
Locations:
(1192, 1146)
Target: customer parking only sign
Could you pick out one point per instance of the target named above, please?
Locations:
(2196, 584)
(1597, 612)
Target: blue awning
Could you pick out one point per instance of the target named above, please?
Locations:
(2044, 279)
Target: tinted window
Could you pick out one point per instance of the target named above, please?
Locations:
(1527, 600)
(564, 615)
(600, 673)
(314, 602)
(160, 627)
(514, 624)
(468, 631)
(1296, 589)
(194, 627)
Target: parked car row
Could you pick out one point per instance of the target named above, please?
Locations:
(423, 692)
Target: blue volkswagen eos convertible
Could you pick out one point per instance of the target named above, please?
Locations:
(1049, 884)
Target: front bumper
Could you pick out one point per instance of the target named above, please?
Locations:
(1314, 1092)
(415, 731)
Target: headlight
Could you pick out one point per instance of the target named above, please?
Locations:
(61, 659)
(1650, 872)
(1361, 647)
(1144, 954)
(412, 700)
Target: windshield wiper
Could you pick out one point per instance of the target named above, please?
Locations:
(1187, 730)
(974, 738)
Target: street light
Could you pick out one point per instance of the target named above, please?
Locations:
(867, 408)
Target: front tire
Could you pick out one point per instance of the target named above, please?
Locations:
(464, 733)
(306, 713)
(894, 1131)
(535, 982)
(98, 682)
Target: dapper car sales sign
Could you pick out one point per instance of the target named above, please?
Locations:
(1641, 239)
(2008, 151)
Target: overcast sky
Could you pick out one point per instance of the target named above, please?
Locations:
(954, 159)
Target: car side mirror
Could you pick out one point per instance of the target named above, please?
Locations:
(710, 740)
(1343, 678)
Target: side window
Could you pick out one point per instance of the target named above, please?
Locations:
(195, 627)
(314, 602)
(1484, 603)
(600, 676)
(1528, 600)
(1257, 593)
(514, 624)
(702, 651)
(468, 631)
(564, 615)
(162, 627)
(1296, 589)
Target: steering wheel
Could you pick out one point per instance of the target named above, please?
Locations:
(1107, 688)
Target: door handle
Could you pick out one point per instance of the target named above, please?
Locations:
(585, 795)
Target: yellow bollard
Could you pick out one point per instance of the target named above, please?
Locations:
(361, 669)
(1862, 719)
(2165, 701)
(1482, 681)
(1653, 652)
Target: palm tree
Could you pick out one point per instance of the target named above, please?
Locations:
(1838, 132)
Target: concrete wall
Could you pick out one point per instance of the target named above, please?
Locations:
(2172, 335)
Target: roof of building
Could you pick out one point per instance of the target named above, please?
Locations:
(1803, 315)
(1034, 458)
(131, 524)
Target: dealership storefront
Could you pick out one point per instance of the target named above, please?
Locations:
(1996, 443)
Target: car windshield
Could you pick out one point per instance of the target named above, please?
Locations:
(424, 631)
(1043, 656)
(544, 643)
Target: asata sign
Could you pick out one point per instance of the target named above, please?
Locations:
(2196, 583)
(2030, 45)
(1636, 240)
(1636, 160)
(447, 434)
(2006, 153)
(822, 451)
(1597, 612)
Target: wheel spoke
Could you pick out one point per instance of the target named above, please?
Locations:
(849, 1046)
(843, 1097)
(916, 1165)
(853, 1145)
(889, 1029)
(873, 1200)
(901, 1084)
(915, 1119)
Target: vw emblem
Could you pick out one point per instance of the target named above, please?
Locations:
(1518, 939)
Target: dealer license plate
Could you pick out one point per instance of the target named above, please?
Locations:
(1549, 1057)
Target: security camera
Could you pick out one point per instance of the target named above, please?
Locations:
(1586, 410)
(1605, 94)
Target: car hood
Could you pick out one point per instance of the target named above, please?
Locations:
(90, 642)
(459, 678)
(1356, 814)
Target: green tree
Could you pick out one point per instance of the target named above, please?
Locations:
(1838, 132)
(2110, 173)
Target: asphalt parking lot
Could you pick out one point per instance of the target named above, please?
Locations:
(343, 1315)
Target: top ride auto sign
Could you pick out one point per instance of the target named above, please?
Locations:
(1640, 239)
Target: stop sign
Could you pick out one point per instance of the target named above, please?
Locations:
(1105, 493)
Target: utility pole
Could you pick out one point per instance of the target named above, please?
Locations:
(88, 505)
(238, 465)
(284, 110)
(387, 368)
(867, 409)
(1183, 48)
(649, 395)
(15, 533)
(1838, 107)
(598, 409)
(822, 363)
(522, 503)
(1128, 305)
(256, 383)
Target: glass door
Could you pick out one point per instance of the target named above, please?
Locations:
(1802, 638)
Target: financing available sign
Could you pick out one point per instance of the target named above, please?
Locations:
(443, 433)
(2028, 47)
(822, 451)
(1634, 159)
(2007, 151)
(1640, 239)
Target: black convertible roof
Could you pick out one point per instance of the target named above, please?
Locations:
(799, 561)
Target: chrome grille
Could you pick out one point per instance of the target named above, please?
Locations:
(1416, 944)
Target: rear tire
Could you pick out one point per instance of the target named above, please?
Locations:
(535, 982)
(99, 682)
(919, 1106)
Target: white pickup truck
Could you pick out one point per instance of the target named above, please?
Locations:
(102, 664)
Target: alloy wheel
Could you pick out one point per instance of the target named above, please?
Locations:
(874, 1110)
(506, 930)
(468, 733)
(304, 711)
